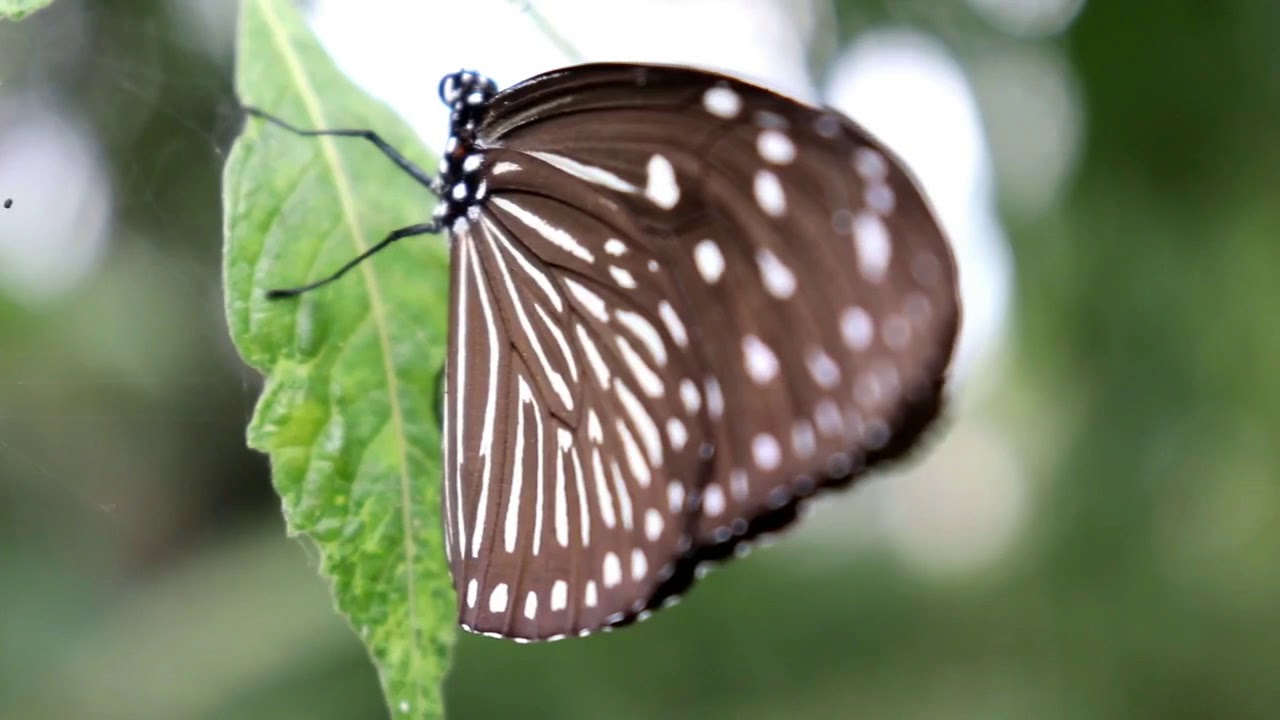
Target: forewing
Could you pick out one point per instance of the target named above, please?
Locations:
(817, 291)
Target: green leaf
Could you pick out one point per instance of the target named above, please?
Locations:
(19, 9)
(348, 414)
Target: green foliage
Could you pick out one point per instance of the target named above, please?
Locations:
(18, 9)
(348, 413)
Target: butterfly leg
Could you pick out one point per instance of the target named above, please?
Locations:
(425, 179)
(428, 228)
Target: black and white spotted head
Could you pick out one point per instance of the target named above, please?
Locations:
(467, 93)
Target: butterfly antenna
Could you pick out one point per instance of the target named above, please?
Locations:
(404, 232)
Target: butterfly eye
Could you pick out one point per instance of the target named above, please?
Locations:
(448, 89)
(678, 308)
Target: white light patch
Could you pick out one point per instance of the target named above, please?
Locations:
(774, 146)
(661, 185)
(706, 255)
(498, 599)
(722, 102)
(592, 302)
(715, 400)
(713, 500)
(871, 240)
(870, 164)
(778, 278)
(612, 569)
(758, 360)
(769, 195)
(554, 235)
(856, 328)
(594, 358)
(622, 277)
(677, 435)
(590, 173)
(650, 382)
(822, 368)
(645, 332)
(830, 421)
(639, 564)
(689, 396)
(766, 452)
(803, 440)
(559, 595)
(675, 496)
(672, 321)
(653, 524)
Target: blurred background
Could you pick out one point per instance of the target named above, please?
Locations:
(1092, 533)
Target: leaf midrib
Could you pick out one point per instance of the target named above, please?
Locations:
(377, 309)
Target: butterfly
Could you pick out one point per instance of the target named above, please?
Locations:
(680, 305)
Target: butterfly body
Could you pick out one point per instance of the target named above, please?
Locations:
(680, 305)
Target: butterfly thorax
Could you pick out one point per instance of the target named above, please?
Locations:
(467, 94)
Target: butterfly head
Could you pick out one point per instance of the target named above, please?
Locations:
(466, 88)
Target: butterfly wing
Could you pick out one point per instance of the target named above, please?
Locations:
(787, 298)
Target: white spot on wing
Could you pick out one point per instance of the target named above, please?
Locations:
(590, 595)
(612, 569)
(644, 423)
(592, 302)
(498, 599)
(639, 564)
(856, 328)
(559, 595)
(649, 381)
(803, 440)
(677, 435)
(689, 396)
(778, 278)
(622, 277)
(822, 368)
(615, 247)
(706, 254)
(661, 185)
(766, 451)
(672, 321)
(646, 333)
(594, 358)
(531, 605)
(653, 524)
(675, 497)
(775, 147)
(870, 164)
(871, 240)
(715, 400)
(722, 102)
(635, 461)
(758, 360)
(769, 195)
(713, 500)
